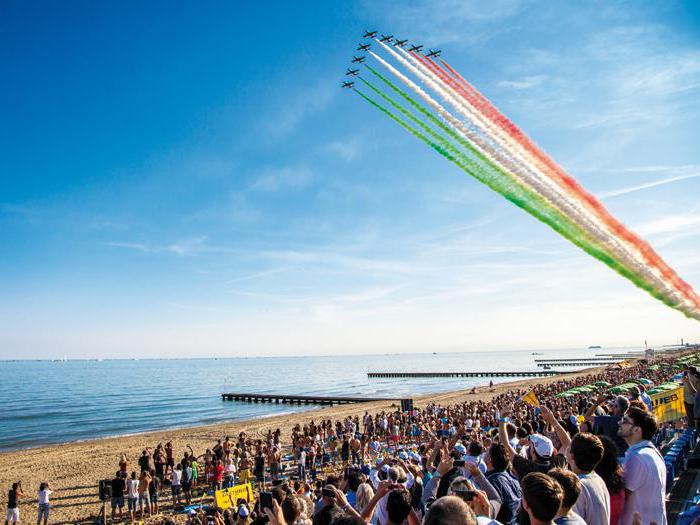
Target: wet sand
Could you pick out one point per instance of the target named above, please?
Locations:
(74, 469)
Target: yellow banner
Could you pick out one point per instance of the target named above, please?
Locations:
(226, 498)
(668, 406)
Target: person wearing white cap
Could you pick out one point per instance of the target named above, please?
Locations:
(540, 451)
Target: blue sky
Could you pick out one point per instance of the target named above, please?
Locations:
(190, 180)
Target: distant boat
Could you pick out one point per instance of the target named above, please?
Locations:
(595, 347)
(537, 353)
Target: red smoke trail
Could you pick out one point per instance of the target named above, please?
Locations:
(476, 99)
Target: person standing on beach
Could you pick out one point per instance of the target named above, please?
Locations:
(144, 495)
(175, 480)
(13, 503)
(43, 499)
(170, 457)
(118, 489)
(132, 495)
(153, 489)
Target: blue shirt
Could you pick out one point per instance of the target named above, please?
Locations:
(509, 490)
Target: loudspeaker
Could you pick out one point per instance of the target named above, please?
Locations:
(406, 405)
(105, 489)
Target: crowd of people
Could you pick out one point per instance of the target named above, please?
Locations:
(579, 459)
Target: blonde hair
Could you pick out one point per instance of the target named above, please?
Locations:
(364, 495)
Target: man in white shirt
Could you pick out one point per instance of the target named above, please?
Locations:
(645, 471)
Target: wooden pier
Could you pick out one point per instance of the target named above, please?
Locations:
(576, 360)
(300, 400)
(532, 373)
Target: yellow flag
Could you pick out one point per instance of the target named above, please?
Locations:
(531, 399)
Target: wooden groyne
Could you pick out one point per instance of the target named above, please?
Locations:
(532, 373)
(299, 400)
(576, 360)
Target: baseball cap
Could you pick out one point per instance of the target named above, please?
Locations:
(461, 448)
(403, 455)
(543, 445)
(243, 511)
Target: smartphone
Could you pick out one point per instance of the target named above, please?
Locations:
(266, 500)
(458, 463)
(467, 495)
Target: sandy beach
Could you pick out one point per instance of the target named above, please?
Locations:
(74, 469)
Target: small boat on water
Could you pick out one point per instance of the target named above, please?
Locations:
(595, 347)
(537, 353)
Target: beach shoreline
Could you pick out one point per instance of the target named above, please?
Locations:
(75, 468)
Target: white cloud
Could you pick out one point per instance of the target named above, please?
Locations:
(283, 178)
(528, 82)
(646, 185)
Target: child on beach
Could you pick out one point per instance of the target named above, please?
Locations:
(43, 498)
(13, 498)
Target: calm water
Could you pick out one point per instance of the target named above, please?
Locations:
(54, 402)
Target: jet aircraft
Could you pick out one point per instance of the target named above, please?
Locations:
(358, 60)
(363, 47)
(352, 72)
(400, 43)
(386, 38)
(415, 48)
(369, 34)
(433, 53)
(348, 84)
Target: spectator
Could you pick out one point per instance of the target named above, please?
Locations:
(542, 498)
(571, 486)
(610, 470)
(118, 490)
(449, 510)
(504, 483)
(132, 494)
(44, 505)
(644, 469)
(593, 505)
(13, 498)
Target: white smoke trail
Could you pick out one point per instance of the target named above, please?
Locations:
(629, 239)
(502, 156)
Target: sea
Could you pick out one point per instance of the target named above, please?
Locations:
(49, 402)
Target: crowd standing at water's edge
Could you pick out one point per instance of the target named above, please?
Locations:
(581, 458)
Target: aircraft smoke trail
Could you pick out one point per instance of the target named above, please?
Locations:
(525, 175)
(492, 149)
(529, 201)
(565, 180)
(561, 196)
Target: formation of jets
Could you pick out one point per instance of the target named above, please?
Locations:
(389, 39)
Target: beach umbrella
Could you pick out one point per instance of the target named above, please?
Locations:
(618, 390)
(602, 383)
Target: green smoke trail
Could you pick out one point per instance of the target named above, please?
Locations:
(491, 166)
(531, 202)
